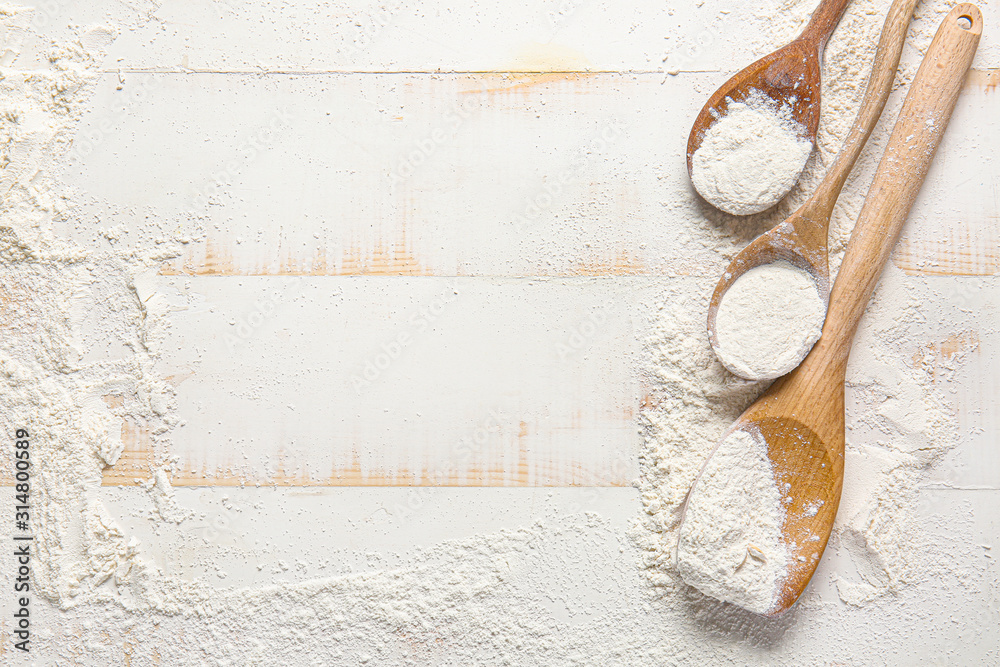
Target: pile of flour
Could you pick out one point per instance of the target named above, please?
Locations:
(730, 544)
(768, 320)
(751, 156)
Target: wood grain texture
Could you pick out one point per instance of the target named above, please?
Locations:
(801, 239)
(277, 219)
(953, 229)
(469, 208)
(824, 21)
(790, 74)
(908, 155)
(801, 416)
(398, 381)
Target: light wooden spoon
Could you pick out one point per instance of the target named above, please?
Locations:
(801, 416)
(801, 239)
(790, 73)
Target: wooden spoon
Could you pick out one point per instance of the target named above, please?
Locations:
(802, 238)
(801, 416)
(790, 73)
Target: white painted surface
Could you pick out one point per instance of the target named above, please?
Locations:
(447, 381)
(401, 173)
(432, 36)
(347, 225)
(323, 188)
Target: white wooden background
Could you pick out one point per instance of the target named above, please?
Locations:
(421, 267)
(486, 182)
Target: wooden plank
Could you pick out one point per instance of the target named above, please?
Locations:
(473, 175)
(954, 228)
(372, 192)
(434, 36)
(494, 174)
(376, 381)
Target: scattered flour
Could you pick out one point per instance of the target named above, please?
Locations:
(751, 157)
(524, 596)
(730, 543)
(768, 320)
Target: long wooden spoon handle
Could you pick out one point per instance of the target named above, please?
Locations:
(890, 47)
(915, 137)
(823, 22)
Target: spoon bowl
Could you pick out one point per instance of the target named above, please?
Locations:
(789, 76)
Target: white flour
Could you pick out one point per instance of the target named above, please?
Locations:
(77, 364)
(751, 157)
(730, 543)
(768, 320)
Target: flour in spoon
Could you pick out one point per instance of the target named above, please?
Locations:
(730, 543)
(768, 320)
(750, 157)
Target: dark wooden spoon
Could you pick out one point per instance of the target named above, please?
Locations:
(790, 75)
